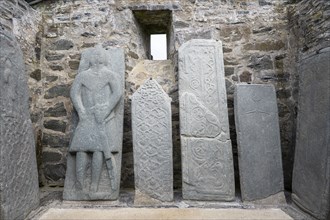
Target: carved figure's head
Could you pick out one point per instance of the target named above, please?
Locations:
(98, 57)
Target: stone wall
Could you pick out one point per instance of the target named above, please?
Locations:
(309, 23)
(309, 32)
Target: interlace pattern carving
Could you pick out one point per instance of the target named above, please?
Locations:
(152, 140)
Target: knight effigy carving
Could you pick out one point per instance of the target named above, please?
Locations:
(95, 150)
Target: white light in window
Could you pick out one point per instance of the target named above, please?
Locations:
(158, 44)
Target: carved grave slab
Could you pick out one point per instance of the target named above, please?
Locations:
(94, 157)
(258, 141)
(19, 186)
(152, 142)
(207, 162)
(311, 172)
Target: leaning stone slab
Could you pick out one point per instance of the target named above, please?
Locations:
(258, 142)
(19, 186)
(207, 162)
(311, 172)
(94, 157)
(152, 143)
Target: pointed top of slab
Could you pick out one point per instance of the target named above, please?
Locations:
(150, 88)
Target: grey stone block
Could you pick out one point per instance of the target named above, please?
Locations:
(36, 75)
(94, 158)
(55, 140)
(152, 143)
(56, 111)
(311, 172)
(54, 57)
(58, 90)
(207, 160)
(55, 125)
(258, 141)
(54, 172)
(62, 44)
(19, 186)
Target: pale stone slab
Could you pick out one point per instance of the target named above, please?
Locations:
(258, 141)
(164, 214)
(19, 186)
(152, 143)
(311, 173)
(207, 164)
(206, 146)
(94, 157)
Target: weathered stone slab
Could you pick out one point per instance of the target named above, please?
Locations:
(152, 143)
(94, 158)
(206, 169)
(258, 141)
(19, 187)
(311, 173)
(207, 163)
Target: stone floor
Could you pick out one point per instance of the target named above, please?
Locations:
(52, 207)
(164, 213)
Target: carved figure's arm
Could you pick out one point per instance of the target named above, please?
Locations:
(117, 93)
(75, 94)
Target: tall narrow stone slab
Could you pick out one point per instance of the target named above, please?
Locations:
(258, 141)
(19, 187)
(311, 172)
(152, 143)
(207, 162)
(94, 157)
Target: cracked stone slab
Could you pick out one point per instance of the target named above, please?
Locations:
(19, 186)
(311, 172)
(207, 162)
(258, 141)
(152, 143)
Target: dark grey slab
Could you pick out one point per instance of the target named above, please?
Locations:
(311, 173)
(19, 186)
(258, 141)
(204, 122)
(152, 142)
(94, 157)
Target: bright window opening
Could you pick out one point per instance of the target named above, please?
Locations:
(158, 46)
(155, 26)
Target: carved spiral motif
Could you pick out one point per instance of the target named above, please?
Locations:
(194, 84)
(199, 153)
(198, 113)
